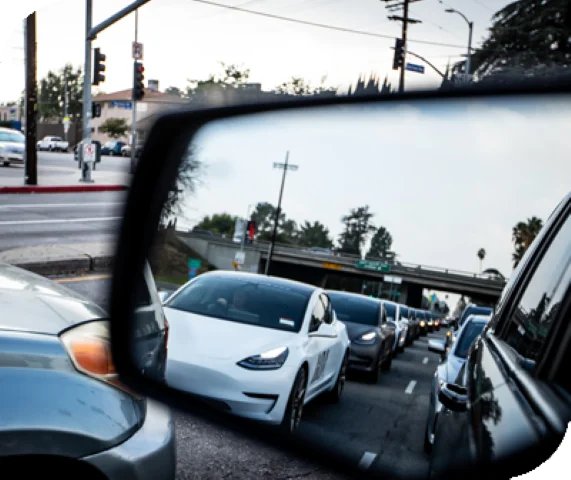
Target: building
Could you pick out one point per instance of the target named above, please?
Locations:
(119, 105)
(8, 113)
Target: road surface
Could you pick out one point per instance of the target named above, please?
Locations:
(375, 424)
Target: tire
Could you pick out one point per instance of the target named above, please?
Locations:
(335, 395)
(386, 365)
(6, 164)
(400, 349)
(50, 148)
(294, 409)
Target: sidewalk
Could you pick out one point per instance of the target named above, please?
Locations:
(61, 259)
(55, 179)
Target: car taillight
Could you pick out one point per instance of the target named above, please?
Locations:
(89, 348)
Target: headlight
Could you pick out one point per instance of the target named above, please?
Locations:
(448, 334)
(422, 324)
(367, 338)
(270, 360)
(89, 348)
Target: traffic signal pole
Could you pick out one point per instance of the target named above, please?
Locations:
(31, 99)
(87, 112)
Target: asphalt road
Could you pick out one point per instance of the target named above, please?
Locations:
(36, 219)
(374, 424)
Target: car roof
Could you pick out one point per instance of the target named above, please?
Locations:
(478, 318)
(34, 303)
(278, 281)
(357, 296)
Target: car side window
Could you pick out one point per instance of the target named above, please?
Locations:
(529, 322)
(318, 314)
(328, 318)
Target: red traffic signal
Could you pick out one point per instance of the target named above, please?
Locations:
(138, 77)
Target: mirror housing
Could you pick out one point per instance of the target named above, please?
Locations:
(453, 397)
(325, 330)
(437, 346)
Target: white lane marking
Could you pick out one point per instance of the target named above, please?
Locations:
(367, 459)
(425, 360)
(59, 220)
(410, 387)
(70, 205)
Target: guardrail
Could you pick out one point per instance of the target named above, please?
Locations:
(342, 258)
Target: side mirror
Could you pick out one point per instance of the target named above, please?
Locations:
(453, 397)
(437, 346)
(325, 330)
(163, 296)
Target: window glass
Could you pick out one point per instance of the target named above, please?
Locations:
(530, 321)
(355, 309)
(15, 137)
(391, 311)
(278, 305)
(403, 313)
(327, 304)
(467, 337)
(318, 315)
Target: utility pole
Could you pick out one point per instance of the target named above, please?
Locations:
(394, 5)
(31, 169)
(285, 167)
(65, 109)
(134, 107)
(87, 111)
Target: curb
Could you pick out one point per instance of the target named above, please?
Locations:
(62, 188)
(80, 264)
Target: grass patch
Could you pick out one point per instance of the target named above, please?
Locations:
(170, 279)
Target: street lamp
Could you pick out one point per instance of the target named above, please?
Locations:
(470, 26)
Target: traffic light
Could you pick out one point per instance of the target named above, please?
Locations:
(250, 231)
(98, 67)
(95, 110)
(399, 54)
(138, 85)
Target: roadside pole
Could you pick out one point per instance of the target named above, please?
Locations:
(134, 107)
(87, 112)
(31, 102)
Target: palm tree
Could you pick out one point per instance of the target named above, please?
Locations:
(523, 235)
(481, 256)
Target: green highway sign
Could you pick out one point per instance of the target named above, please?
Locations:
(371, 265)
(194, 263)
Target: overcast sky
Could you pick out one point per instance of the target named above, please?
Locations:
(444, 178)
(184, 39)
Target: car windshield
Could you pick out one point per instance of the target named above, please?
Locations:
(14, 137)
(475, 311)
(469, 334)
(391, 311)
(109, 144)
(354, 309)
(262, 303)
(403, 313)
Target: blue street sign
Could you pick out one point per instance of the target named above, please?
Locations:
(192, 273)
(415, 68)
(121, 104)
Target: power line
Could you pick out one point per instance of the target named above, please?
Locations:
(324, 25)
(482, 5)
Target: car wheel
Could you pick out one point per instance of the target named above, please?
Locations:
(400, 349)
(6, 164)
(386, 365)
(335, 395)
(294, 409)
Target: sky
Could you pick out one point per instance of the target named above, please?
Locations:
(184, 39)
(445, 179)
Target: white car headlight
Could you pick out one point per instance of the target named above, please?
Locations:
(366, 338)
(270, 360)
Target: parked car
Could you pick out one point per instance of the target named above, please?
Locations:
(112, 148)
(259, 347)
(52, 144)
(371, 335)
(511, 401)
(12, 146)
(59, 383)
(447, 371)
(126, 150)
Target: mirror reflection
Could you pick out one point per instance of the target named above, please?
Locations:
(326, 271)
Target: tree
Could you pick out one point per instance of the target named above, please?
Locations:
(314, 235)
(299, 86)
(175, 91)
(528, 38)
(185, 182)
(232, 76)
(51, 94)
(523, 234)
(264, 217)
(221, 223)
(481, 255)
(114, 127)
(357, 227)
(380, 244)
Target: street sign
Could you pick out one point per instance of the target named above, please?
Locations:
(371, 265)
(194, 263)
(415, 68)
(394, 280)
(89, 152)
(66, 124)
(137, 51)
(240, 257)
(332, 266)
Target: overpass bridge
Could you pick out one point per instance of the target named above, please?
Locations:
(347, 272)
